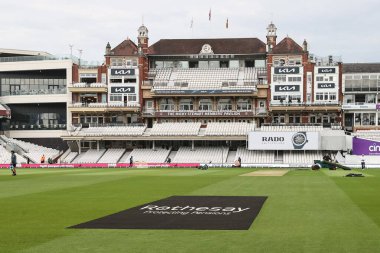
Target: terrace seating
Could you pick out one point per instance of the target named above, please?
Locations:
(91, 156)
(368, 134)
(112, 155)
(147, 155)
(201, 155)
(113, 131)
(5, 156)
(70, 157)
(163, 74)
(165, 129)
(197, 78)
(255, 156)
(229, 128)
(33, 151)
(301, 157)
(284, 128)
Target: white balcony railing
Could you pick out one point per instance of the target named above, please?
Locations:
(104, 105)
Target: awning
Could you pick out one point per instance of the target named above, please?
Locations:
(5, 111)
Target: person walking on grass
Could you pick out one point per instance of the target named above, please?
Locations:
(131, 161)
(13, 163)
(363, 162)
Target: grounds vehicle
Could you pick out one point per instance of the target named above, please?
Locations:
(203, 167)
(318, 164)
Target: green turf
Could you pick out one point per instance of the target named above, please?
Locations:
(306, 211)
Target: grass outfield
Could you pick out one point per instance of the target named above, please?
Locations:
(306, 211)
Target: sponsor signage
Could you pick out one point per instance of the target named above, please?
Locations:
(326, 85)
(122, 72)
(287, 70)
(205, 114)
(326, 70)
(362, 106)
(187, 92)
(185, 212)
(365, 147)
(286, 88)
(122, 89)
(283, 141)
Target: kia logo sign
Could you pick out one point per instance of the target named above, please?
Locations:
(122, 72)
(326, 70)
(286, 88)
(287, 70)
(326, 85)
(122, 89)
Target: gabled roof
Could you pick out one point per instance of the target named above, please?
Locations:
(218, 46)
(361, 68)
(287, 46)
(127, 48)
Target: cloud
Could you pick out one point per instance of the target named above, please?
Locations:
(331, 27)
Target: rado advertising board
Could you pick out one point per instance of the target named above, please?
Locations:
(122, 89)
(287, 88)
(122, 72)
(283, 141)
(287, 70)
(326, 86)
(326, 70)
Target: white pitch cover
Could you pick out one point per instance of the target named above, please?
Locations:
(284, 140)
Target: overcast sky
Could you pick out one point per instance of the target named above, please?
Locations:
(343, 28)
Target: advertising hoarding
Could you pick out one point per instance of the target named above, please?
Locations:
(365, 147)
(283, 140)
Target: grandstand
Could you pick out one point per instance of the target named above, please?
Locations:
(254, 156)
(70, 157)
(201, 155)
(228, 128)
(291, 128)
(301, 158)
(147, 155)
(112, 131)
(91, 156)
(32, 151)
(206, 78)
(5, 156)
(368, 134)
(112, 155)
(182, 129)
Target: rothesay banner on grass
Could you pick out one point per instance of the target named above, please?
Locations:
(283, 140)
(185, 212)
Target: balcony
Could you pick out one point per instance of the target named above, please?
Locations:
(34, 92)
(37, 127)
(360, 106)
(104, 107)
(305, 106)
(85, 87)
